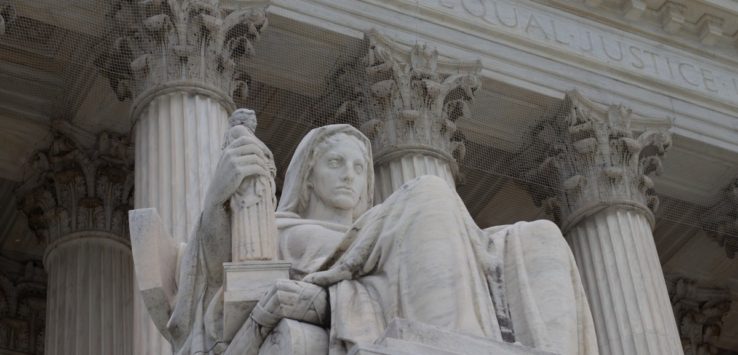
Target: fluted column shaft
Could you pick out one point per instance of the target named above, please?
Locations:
(90, 295)
(391, 174)
(179, 136)
(625, 286)
(604, 199)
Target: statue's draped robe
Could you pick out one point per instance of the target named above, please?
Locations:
(418, 256)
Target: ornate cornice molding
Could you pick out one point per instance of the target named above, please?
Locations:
(699, 313)
(590, 159)
(408, 100)
(73, 188)
(161, 42)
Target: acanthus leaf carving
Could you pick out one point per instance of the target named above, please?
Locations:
(409, 99)
(22, 307)
(74, 188)
(590, 158)
(191, 41)
(699, 312)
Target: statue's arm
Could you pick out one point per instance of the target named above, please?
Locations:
(351, 256)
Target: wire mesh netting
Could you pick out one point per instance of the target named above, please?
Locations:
(63, 54)
(86, 62)
(60, 58)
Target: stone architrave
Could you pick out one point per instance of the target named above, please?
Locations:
(699, 312)
(76, 201)
(721, 220)
(594, 180)
(407, 104)
(181, 63)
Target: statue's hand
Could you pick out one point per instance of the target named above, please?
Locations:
(329, 277)
(293, 300)
(242, 158)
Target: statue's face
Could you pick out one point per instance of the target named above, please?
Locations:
(339, 174)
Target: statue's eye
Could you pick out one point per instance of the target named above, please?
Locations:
(334, 163)
(359, 168)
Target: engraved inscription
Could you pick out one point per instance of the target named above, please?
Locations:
(609, 46)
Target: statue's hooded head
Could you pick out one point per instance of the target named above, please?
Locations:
(296, 192)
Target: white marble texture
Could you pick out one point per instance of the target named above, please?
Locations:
(419, 256)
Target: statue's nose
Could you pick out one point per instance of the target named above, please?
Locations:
(349, 174)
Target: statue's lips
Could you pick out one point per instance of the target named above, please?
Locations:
(344, 189)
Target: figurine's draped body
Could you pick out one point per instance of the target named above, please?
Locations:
(418, 256)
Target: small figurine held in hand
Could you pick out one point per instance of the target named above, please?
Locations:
(254, 233)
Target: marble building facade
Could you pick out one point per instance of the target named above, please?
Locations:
(617, 119)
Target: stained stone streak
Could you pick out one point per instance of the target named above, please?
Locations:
(616, 247)
(90, 295)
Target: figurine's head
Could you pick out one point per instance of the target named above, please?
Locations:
(245, 117)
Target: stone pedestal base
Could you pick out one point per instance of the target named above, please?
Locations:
(245, 284)
(404, 337)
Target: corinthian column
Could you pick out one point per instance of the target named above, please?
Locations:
(180, 61)
(699, 312)
(604, 201)
(77, 201)
(408, 102)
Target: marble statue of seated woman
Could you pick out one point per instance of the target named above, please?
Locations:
(356, 267)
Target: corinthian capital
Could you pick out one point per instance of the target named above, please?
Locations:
(591, 159)
(191, 43)
(73, 188)
(699, 312)
(409, 100)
